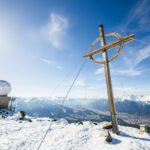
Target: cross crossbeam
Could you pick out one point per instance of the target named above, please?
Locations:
(103, 49)
(110, 45)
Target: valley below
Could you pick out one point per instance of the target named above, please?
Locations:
(130, 112)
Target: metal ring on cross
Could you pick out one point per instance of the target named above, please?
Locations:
(98, 39)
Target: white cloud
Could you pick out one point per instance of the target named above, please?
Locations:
(100, 70)
(129, 72)
(139, 14)
(101, 78)
(130, 90)
(143, 54)
(131, 62)
(56, 29)
(80, 82)
(137, 20)
(136, 56)
(48, 62)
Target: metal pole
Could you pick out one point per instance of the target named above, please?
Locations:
(11, 103)
(108, 83)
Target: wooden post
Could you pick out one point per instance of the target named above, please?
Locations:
(108, 83)
(143, 128)
(103, 49)
(11, 103)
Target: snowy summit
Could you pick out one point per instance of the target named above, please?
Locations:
(18, 134)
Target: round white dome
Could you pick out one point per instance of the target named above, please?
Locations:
(5, 88)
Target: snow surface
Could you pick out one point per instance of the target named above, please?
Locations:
(24, 135)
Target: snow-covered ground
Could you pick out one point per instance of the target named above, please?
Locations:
(25, 135)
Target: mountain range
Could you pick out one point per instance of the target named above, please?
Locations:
(130, 109)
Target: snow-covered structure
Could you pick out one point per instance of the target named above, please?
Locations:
(5, 89)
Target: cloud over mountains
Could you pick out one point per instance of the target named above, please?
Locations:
(55, 30)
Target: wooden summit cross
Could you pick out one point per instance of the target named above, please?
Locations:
(103, 49)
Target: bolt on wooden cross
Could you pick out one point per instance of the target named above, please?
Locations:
(103, 49)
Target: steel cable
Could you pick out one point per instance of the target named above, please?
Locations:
(62, 102)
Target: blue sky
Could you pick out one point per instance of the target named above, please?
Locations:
(42, 41)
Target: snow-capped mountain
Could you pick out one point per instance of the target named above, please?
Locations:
(49, 104)
(137, 98)
(125, 104)
(83, 109)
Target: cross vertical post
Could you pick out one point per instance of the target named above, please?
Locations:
(108, 83)
(103, 49)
